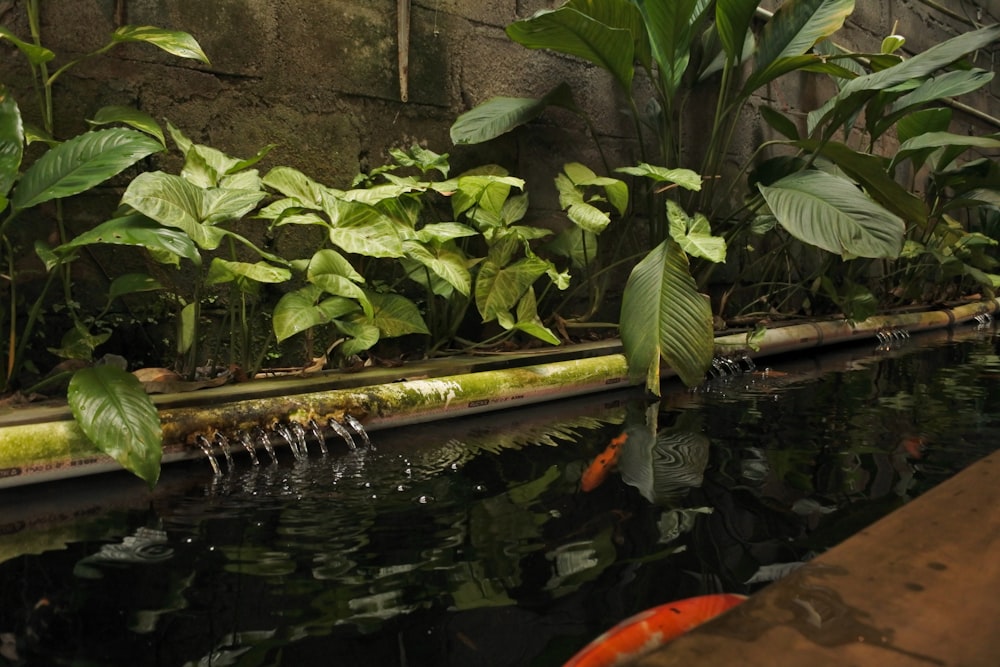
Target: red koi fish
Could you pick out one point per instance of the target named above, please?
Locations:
(913, 445)
(650, 629)
(598, 471)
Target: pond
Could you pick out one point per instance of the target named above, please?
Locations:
(470, 541)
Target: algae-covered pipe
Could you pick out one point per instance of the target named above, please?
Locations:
(44, 450)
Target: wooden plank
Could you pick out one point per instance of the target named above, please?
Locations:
(919, 587)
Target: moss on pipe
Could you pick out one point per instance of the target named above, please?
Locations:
(43, 450)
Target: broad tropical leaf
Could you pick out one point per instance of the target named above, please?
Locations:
(173, 201)
(362, 229)
(444, 261)
(362, 336)
(138, 230)
(499, 287)
(395, 315)
(172, 41)
(694, 234)
(932, 140)
(117, 415)
(791, 32)
(665, 317)
(669, 26)
(301, 310)
(833, 214)
(134, 118)
(870, 171)
(132, 283)
(224, 271)
(79, 164)
(11, 141)
(856, 91)
(607, 42)
(732, 20)
(36, 55)
(499, 115)
(685, 178)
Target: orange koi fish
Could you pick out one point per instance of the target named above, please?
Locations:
(650, 629)
(598, 471)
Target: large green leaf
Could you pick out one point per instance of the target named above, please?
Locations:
(138, 230)
(871, 172)
(857, 91)
(499, 287)
(172, 41)
(669, 26)
(139, 120)
(607, 42)
(833, 214)
(174, 202)
(932, 140)
(694, 234)
(362, 229)
(224, 271)
(664, 316)
(444, 261)
(79, 164)
(395, 315)
(293, 183)
(733, 20)
(302, 310)
(791, 32)
(36, 55)
(685, 178)
(499, 115)
(117, 415)
(11, 141)
(529, 322)
(362, 336)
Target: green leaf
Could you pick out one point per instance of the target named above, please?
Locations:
(499, 287)
(795, 27)
(132, 283)
(576, 244)
(138, 230)
(134, 118)
(301, 310)
(856, 91)
(685, 178)
(36, 55)
(669, 29)
(831, 213)
(80, 343)
(439, 232)
(582, 213)
(362, 336)
(486, 191)
(173, 42)
(328, 261)
(932, 140)
(395, 315)
(11, 142)
(609, 44)
(224, 271)
(444, 261)
(187, 327)
(694, 235)
(779, 122)
(529, 322)
(117, 415)
(499, 115)
(79, 164)
(664, 316)
(733, 20)
(362, 229)
(174, 202)
(293, 183)
(871, 172)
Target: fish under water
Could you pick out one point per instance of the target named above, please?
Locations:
(648, 630)
(601, 467)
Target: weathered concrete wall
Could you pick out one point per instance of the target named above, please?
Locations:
(320, 78)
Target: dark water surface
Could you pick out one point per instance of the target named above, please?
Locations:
(469, 542)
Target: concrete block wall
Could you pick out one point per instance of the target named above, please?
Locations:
(320, 79)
